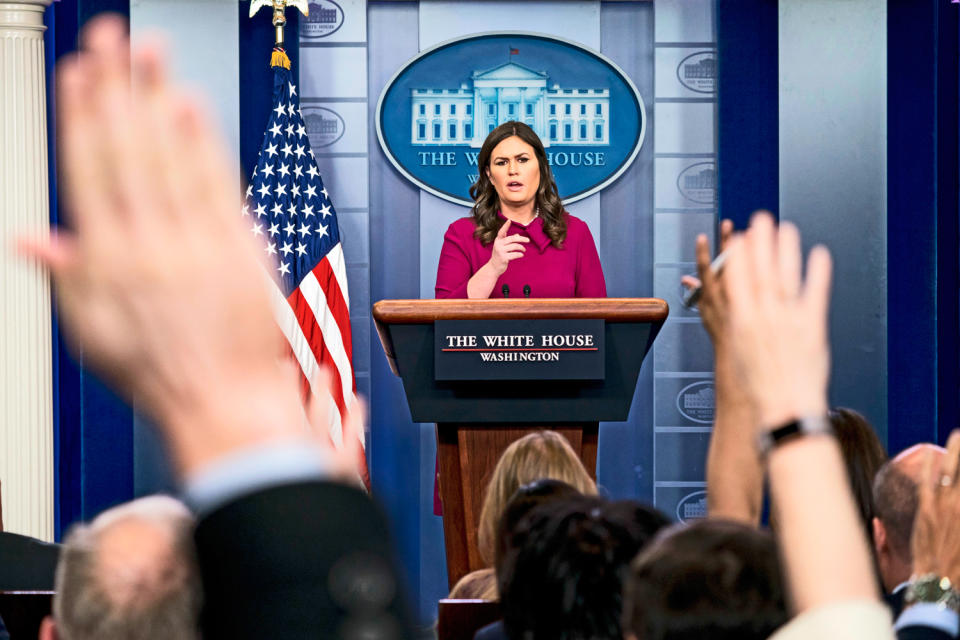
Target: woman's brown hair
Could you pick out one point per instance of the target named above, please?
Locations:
(485, 200)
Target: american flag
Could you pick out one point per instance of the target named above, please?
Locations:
(290, 210)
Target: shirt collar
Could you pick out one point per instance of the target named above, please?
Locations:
(901, 586)
(534, 230)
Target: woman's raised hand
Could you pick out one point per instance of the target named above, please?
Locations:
(506, 248)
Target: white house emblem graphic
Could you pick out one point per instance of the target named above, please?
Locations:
(510, 91)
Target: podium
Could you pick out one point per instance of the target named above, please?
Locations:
(477, 419)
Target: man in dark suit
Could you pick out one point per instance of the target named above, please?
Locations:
(303, 560)
(26, 564)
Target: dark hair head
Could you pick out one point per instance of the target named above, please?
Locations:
(863, 454)
(485, 200)
(712, 579)
(562, 575)
(522, 502)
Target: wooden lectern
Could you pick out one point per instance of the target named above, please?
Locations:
(477, 420)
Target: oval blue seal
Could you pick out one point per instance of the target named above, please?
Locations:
(434, 114)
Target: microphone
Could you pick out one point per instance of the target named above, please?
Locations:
(526, 291)
(506, 290)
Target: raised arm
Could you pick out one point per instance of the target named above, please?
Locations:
(734, 470)
(778, 341)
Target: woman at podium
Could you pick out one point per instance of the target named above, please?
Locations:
(519, 242)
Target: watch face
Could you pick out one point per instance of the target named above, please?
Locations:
(933, 589)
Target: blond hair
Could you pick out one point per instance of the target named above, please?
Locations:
(543, 454)
(476, 585)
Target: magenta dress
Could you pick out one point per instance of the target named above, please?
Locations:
(571, 272)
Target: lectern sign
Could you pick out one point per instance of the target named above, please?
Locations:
(548, 349)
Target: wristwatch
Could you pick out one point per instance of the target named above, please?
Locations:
(767, 441)
(933, 589)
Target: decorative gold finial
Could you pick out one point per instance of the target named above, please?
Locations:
(279, 13)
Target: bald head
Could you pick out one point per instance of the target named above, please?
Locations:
(136, 558)
(895, 501)
(129, 573)
(910, 462)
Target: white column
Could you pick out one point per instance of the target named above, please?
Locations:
(26, 389)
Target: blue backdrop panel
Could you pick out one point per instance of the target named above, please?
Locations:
(948, 279)
(912, 222)
(747, 104)
(394, 449)
(922, 220)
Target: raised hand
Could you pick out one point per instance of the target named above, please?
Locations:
(778, 322)
(506, 248)
(157, 281)
(778, 341)
(936, 536)
(713, 302)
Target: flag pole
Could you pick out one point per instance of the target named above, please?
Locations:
(279, 57)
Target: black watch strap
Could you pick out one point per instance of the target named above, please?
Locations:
(814, 425)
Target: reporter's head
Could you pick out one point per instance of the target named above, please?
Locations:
(712, 579)
(130, 573)
(543, 454)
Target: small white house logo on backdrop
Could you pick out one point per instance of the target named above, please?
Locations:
(697, 401)
(698, 71)
(324, 126)
(325, 17)
(693, 506)
(698, 183)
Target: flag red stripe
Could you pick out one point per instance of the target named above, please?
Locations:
(338, 306)
(311, 330)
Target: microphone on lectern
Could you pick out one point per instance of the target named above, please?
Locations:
(526, 291)
(506, 290)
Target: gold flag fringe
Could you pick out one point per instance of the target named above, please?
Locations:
(280, 59)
